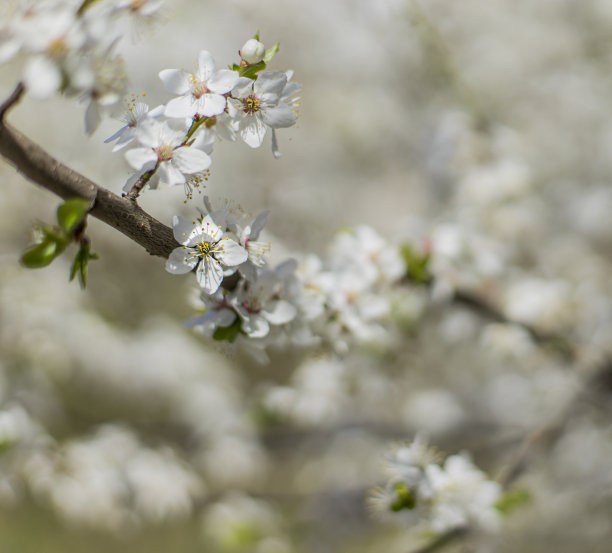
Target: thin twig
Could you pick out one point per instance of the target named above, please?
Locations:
(12, 100)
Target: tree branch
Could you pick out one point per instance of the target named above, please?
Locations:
(120, 213)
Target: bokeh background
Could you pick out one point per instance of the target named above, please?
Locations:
(482, 128)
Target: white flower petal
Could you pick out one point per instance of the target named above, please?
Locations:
(280, 116)
(212, 104)
(255, 326)
(181, 261)
(191, 160)
(212, 229)
(151, 133)
(181, 107)
(223, 81)
(139, 158)
(242, 88)
(279, 312)
(169, 175)
(182, 229)
(275, 150)
(206, 65)
(93, 118)
(225, 317)
(258, 225)
(270, 82)
(248, 270)
(252, 131)
(175, 81)
(42, 78)
(230, 252)
(209, 275)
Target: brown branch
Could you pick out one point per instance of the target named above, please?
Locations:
(120, 213)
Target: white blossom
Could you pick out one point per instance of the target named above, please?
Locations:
(259, 106)
(162, 149)
(204, 248)
(201, 93)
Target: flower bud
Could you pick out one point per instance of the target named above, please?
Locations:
(253, 51)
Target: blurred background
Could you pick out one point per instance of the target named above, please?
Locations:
(480, 128)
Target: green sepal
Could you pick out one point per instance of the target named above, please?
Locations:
(417, 264)
(71, 214)
(250, 71)
(512, 500)
(80, 263)
(228, 333)
(270, 53)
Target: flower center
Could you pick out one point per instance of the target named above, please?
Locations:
(204, 248)
(198, 89)
(252, 307)
(251, 104)
(164, 152)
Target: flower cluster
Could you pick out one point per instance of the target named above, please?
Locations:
(420, 490)
(176, 139)
(69, 46)
(343, 299)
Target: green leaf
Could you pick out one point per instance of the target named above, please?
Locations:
(512, 500)
(417, 264)
(251, 71)
(42, 254)
(80, 263)
(229, 333)
(271, 52)
(71, 214)
(256, 37)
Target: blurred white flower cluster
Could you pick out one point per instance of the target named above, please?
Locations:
(421, 491)
(68, 46)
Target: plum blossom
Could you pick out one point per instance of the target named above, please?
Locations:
(204, 248)
(259, 304)
(136, 113)
(218, 313)
(162, 149)
(259, 106)
(200, 93)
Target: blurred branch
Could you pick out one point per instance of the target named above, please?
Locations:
(541, 440)
(556, 342)
(41, 168)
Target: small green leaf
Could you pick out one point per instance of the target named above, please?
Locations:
(404, 498)
(256, 37)
(229, 333)
(251, 71)
(42, 254)
(71, 214)
(80, 263)
(512, 500)
(271, 52)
